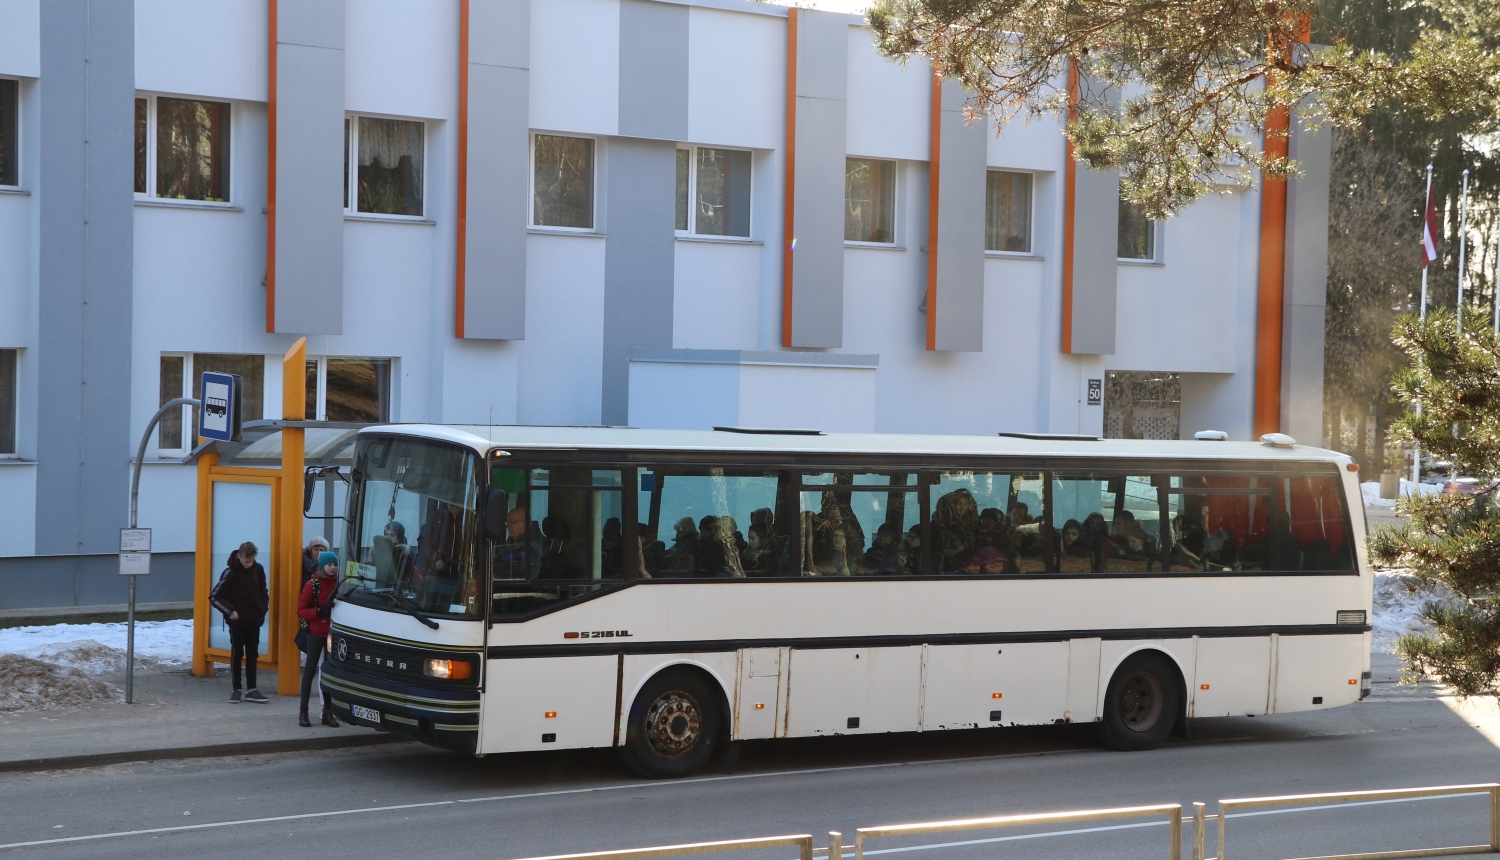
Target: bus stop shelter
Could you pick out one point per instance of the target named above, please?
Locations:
(280, 484)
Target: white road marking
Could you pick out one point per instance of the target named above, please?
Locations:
(688, 782)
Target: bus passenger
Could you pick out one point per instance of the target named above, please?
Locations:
(518, 556)
(681, 558)
(955, 521)
(885, 556)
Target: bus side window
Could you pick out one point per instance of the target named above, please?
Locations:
(987, 523)
(1106, 523)
(1311, 512)
(712, 523)
(860, 523)
(1225, 523)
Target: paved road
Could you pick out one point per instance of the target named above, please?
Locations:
(408, 801)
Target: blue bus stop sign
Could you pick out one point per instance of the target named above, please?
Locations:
(219, 415)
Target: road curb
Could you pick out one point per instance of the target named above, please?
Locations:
(203, 751)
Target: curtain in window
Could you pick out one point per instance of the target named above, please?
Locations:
(390, 166)
(1007, 212)
(169, 433)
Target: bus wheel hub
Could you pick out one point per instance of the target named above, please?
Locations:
(673, 723)
(1140, 701)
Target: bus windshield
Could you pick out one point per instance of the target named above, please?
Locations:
(411, 541)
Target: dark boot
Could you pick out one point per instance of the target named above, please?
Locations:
(329, 719)
(302, 719)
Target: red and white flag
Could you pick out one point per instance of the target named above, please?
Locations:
(1430, 232)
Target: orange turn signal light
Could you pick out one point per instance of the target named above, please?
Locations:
(1203, 686)
(760, 706)
(995, 695)
(1353, 467)
(551, 715)
(453, 670)
(1353, 680)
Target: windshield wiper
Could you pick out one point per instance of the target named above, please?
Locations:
(409, 608)
(398, 601)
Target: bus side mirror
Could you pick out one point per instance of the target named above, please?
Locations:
(494, 514)
(309, 483)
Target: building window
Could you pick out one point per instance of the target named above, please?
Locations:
(1007, 212)
(713, 191)
(182, 376)
(388, 157)
(184, 144)
(1137, 234)
(8, 401)
(1142, 405)
(869, 201)
(10, 136)
(349, 389)
(562, 182)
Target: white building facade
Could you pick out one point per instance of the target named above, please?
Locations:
(658, 213)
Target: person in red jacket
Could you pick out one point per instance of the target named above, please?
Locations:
(313, 608)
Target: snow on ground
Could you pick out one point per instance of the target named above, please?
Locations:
(1371, 491)
(71, 665)
(100, 648)
(1398, 609)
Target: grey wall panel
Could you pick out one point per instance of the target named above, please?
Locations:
(311, 23)
(653, 70)
(818, 257)
(500, 33)
(639, 261)
(1096, 224)
(496, 192)
(310, 168)
(86, 215)
(56, 582)
(1306, 283)
(960, 262)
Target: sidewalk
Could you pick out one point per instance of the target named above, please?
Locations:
(175, 716)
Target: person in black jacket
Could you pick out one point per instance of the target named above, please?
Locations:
(243, 598)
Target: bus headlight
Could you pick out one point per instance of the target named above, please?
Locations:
(451, 670)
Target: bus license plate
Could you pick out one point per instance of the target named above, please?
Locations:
(364, 713)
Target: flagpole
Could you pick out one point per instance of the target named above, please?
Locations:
(1416, 451)
(1463, 236)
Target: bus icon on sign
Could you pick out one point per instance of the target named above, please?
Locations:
(219, 417)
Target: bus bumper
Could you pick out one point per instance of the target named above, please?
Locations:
(442, 718)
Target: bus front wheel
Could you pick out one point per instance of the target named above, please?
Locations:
(673, 726)
(1141, 703)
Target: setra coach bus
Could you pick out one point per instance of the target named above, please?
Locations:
(669, 592)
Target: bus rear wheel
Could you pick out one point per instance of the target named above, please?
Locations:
(1141, 703)
(673, 726)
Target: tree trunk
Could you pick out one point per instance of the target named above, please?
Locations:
(1337, 442)
(1380, 405)
(1362, 428)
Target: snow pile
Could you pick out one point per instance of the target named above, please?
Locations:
(1371, 492)
(1398, 609)
(98, 649)
(28, 685)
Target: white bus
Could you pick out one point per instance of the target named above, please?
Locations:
(670, 592)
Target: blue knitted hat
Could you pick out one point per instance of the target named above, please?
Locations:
(326, 557)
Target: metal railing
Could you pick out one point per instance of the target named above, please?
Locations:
(1173, 812)
(1490, 788)
(803, 842)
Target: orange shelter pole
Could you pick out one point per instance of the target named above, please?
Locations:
(203, 570)
(289, 553)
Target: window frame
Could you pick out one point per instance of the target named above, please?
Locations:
(15, 416)
(1155, 237)
(692, 209)
(351, 169)
(320, 411)
(896, 202)
(20, 142)
(187, 410)
(1030, 214)
(531, 224)
(230, 172)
